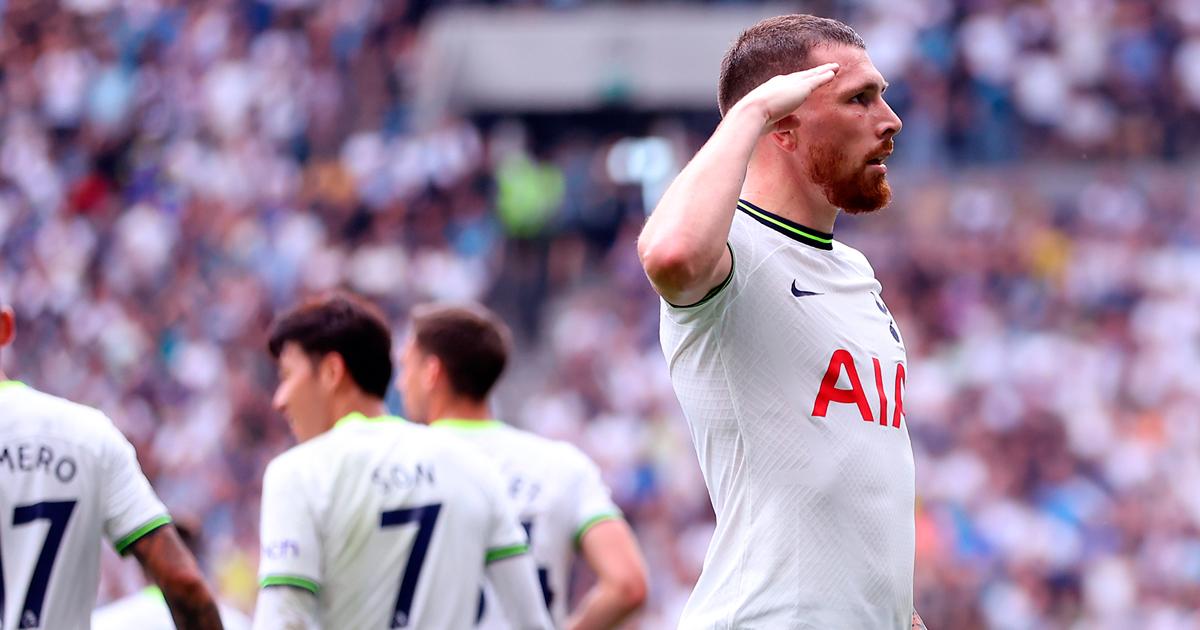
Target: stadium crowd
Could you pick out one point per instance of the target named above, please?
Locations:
(173, 174)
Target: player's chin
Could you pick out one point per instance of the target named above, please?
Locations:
(871, 195)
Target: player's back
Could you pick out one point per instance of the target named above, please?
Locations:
(67, 477)
(557, 493)
(387, 522)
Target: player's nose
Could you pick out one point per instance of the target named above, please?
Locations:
(889, 124)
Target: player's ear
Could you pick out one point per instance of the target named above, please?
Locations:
(785, 134)
(331, 370)
(8, 326)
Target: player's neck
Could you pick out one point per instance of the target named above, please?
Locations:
(358, 402)
(462, 409)
(791, 197)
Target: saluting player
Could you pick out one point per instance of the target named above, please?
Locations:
(788, 366)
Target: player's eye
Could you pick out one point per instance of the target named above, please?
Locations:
(859, 99)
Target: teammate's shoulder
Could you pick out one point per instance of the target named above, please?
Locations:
(73, 420)
(559, 453)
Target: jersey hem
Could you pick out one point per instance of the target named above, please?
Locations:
(715, 290)
(290, 580)
(502, 553)
(127, 541)
(592, 522)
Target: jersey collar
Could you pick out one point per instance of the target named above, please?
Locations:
(464, 424)
(357, 417)
(10, 384)
(787, 227)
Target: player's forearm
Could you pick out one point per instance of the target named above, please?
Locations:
(684, 239)
(192, 607)
(514, 580)
(607, 605)
(173, 568)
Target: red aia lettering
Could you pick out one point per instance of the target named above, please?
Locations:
(830, 392)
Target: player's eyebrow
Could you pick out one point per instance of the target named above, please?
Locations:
(866, 85)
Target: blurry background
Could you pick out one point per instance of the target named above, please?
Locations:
(173, 173)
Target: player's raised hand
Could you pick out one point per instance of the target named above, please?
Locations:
(783, 94)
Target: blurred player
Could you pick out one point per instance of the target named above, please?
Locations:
(784, 357)
(374, 522)
(68, 477)
(147, 610)
(451, 360)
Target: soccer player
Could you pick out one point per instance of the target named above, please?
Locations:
(787, 364)
(147, 609)
(451, 359)
(372, 521)
(68, 477)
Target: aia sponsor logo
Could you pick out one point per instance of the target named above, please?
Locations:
(842, 362)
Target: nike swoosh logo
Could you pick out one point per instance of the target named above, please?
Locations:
(798, 293)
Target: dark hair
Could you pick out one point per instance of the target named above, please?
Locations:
(775, 46)
(344, 324)
(470, 341)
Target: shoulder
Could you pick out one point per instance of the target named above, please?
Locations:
(855, 258)
(296, 461)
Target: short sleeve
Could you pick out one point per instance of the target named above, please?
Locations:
(131, 509)
(711, 304)
(594, 502)
(290, 553)
(507, 537)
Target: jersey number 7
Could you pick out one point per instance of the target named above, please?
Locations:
(58, 513)
(426, 518)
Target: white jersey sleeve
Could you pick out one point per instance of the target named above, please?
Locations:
(594, 504)
(506, 537)
(131, 509)
(290, 543)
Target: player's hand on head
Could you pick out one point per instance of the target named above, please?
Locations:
(781, 95)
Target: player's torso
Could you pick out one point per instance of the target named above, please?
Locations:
(403, 530)
(809, 463)
(536, 479)
(50, 517)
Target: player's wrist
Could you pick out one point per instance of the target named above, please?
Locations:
(750, 111)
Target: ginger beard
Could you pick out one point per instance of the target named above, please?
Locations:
(860, 191)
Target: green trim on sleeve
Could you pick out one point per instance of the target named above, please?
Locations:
(506, 552)
(123, 544)
(594, 521)
(715, 290)
(7, 384)
(290, 580)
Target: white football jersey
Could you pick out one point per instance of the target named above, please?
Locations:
(791, 375)
(147, 610)
(67, 477)
(558, 494)
(389, 523)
